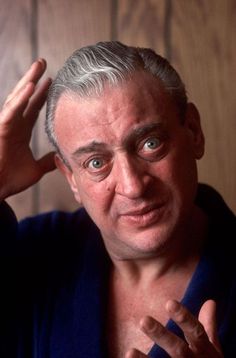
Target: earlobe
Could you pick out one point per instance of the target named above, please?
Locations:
(69, 175)
(193, 122)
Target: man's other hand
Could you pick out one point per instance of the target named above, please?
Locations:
(200, 334)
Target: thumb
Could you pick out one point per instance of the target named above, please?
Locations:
(207, 316)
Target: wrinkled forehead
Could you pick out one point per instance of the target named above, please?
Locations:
(137, 91)
(141, 99)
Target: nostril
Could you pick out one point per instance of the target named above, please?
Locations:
(131, 186)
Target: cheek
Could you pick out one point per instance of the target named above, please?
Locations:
(177, 173)
(182, 163)
(94, 195)
(184, 182)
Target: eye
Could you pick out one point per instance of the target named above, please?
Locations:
(97, 167)
(151, 144)
(95, 163)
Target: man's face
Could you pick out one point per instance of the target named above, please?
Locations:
(133, 163)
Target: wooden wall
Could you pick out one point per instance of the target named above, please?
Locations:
(197, 36)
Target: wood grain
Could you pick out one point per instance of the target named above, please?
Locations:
(142, 23)
(63, 27)
(15, 48)
(203, 50)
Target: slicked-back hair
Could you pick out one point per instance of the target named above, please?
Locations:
(89, 69)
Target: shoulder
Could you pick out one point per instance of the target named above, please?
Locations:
(219, 244)
(213, 203)
(222, 220)
(220, 257)
(57, 231)
(57, 223)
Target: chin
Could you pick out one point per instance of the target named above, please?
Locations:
(151, 243)
(140, 245)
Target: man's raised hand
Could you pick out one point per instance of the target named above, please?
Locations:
(18, 167)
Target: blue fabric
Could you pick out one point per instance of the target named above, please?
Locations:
(54, 279)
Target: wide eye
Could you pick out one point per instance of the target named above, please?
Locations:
(151, 144)
(95, 164)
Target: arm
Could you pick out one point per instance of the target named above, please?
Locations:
(200, 334)
(18, 167)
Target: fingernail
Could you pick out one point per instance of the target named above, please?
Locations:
(42, 62)
(38, 61)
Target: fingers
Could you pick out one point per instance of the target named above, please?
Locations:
(193, 330)
(134, 353)
(38, 100)
(34, 73)
(18, 99)
(18, 167)
(207, 316)
(197, 342)
(172, 344)
(16, 106)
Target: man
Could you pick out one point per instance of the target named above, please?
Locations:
(140, 270)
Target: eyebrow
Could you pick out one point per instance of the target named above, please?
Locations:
(134, 134)
(142, 131)
(94, 146)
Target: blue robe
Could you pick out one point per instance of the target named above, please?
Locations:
(54, 283)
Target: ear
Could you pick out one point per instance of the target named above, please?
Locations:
(193, 123)
(68, 173)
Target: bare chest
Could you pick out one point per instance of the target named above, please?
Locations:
(125, 313)
(123, 327)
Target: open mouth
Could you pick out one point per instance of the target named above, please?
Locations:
(146, 216)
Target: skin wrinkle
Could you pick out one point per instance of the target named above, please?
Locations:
(140, 197)
(120, 103)
(126, 143)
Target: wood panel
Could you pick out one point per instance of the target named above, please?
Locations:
(143, 23)
(198, 37)
(203, 50)
(16, 56)
(63, 27)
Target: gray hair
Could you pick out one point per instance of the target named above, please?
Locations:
(89, 69)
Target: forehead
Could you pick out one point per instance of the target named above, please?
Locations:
(110, 116)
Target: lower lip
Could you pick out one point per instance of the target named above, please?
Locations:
(144, 220)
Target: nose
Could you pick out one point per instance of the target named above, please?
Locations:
(131, 177)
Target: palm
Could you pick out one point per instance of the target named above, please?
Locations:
(18, 167)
